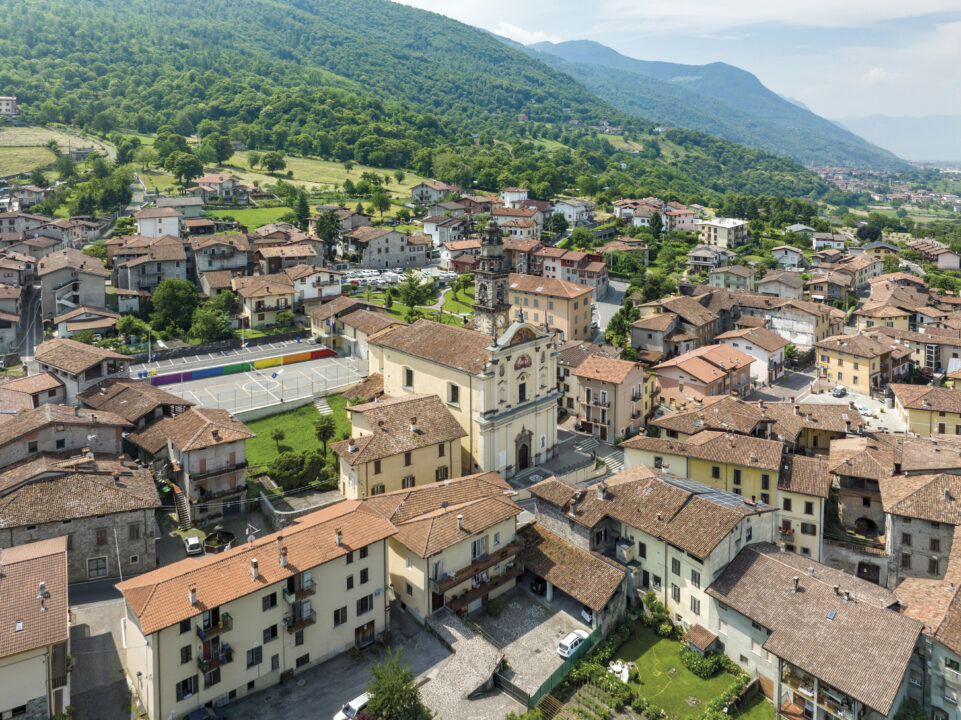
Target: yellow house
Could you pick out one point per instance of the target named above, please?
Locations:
(928, 410)
(204, 631)
(862, 362)
(555, 304)
(35, 640)
(502, 391)
(262, 297)
(455, 546)
(398, 443)
(882, 316)
(752, 467)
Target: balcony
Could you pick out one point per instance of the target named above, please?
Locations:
(952, 678)
(465, 599)
(786, 533)
(225, 656)
(292, 596)
(596, 401)
(293, 625)
(479, 565)
(208, 473)
(226, 623)
(205, 495)
(263, 307)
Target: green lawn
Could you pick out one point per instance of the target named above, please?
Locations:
(22, 159)
(298, 427)
(155, 180)
(253, 217)
(757, 708)
(664, 680)
(463, 303)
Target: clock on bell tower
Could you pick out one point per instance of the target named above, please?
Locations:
(491, 306)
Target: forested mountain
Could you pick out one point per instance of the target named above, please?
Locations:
(367, 80)
(719, 99)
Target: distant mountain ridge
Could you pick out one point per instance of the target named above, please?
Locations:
(717, 98)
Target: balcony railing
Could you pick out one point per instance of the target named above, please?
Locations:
(786, 533)
(951, 677)
(226, 623)
(293, 625)
(211, 472)
(596, 401)
(449, 580)
(465, 599)
(226, 655)
(292, 596)
(206, 495)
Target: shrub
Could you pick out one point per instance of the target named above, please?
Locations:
(704, 666)
(495, 607)
(665, 629)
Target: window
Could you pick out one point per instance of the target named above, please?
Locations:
(365, 604)
(440, 473)
(866, 502)
(211, 678)
(32, 446)
(408, 377)
(675, 593)
(186, 688)
(407, 482)
(808, 508)
(453, 393)
(376, 467)
(363, 552)
(407, 458)
(101, 536)
(61, 444)
(935, 545)
(134, 559)
(749, 534)
(255, 656)
(657, 581)
(675, 566)
(133, 531)
(766, 498)
(737, 476)
(933, 566)
(522, 392)
(756, 647)
(97, 568)
(407, 563)
(806, 551)
(641, 550)
(808, 529)
(757, 626)
(787, 504)
(906, 561)
(185, 654)
(765, 481)
(270, 634)
(350, 557)
(269, 601)
(441, 449)
(715, 472)
(906, 539)
(299, 637)
(184, 626)
(840, 374)
(364, 576)
(952, 664)
(409, 589)
(350, 582)
(303, 660)
(695, 605)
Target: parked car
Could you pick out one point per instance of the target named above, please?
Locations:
(863, 410)
(192, 545)
(353, 707)
(570, 643)
(538, 586)
(839, 391)
(587, 614)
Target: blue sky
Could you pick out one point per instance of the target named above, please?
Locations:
(841, 58)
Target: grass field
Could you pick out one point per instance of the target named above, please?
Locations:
(155, 180)
(253, 217)
(664, 680)
(756, 708)
(320, 174)
(463, 303)
(15, 160)
(620, 142)
(298, 427)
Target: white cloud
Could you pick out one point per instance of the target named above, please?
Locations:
(525, 37)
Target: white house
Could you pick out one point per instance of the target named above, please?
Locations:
(156, 222)
(828, 240)
(766, 347)
(577, 212)
(788, 256)
(723, 232)
(312, 282)
(442, 228)
(513, 197)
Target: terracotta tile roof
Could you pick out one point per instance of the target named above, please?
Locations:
(160, 598)
(688, 309)
(791, 418)
(709, 362)
(738, 270)
(762, 337)
(521, 244)
(463, 245)
(785, 278)
(841, 643)
(24, 568)
(73, 259)
(573, 352)
(606, 369)
(584, 576)
(926, 397)
(720, 412)
(861, 345)
(935, 602)
(365, 234)
(390, 422)
(805, 475)
(700, 637)
(934, 497)
(862, 457)
(72, 356)
(369, 388)
(550, 287)
(262, 285)
(449, 345)
(130, 399)
(239, 242)
(41, 493)
(48, 414)
(716, 446)
(881, 311)
(31, 384)
(287, 251)
(685, 513)
(338, 306)
(658, 322)
(203, 427)
(427, 517)
(369, 321)
(218, 279)
(98, 324)
(85, 310)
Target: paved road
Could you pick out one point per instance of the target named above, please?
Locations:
(608, 306)
(31, 327)
(224, 357)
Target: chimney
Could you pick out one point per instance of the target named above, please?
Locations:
(192, 594)
(254, 570)
(811, 571)
(659, 516)
(338, 536)
(351, 445)
(947, 495)
(283, 557)
(413, 425)
(215, 433)
(837, 589)
(797, 583)
(847, 596)
(601, 490)
(797, 409)
(103, 390)
(460, 522)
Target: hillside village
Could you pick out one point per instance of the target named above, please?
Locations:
(514, 435)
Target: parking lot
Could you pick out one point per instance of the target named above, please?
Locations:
(272, 385)
(529, 629)
(875, 419)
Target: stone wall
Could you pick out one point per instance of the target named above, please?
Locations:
(850, 559)
(551, 517)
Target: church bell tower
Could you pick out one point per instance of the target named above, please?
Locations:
(491, 306)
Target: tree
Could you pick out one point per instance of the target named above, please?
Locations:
(253, 159)
(97, 250)
(286, 468)
(225, 301)
(174, 302)
(66, 167)
(131, 326)
(285, 318)
(790, 351)
(412, 291)
(185, 166)
(277, 435)
(302, 211)
(399, 176)
(462, 282)
(221, 146)
(393, 695)
(868, 232)
(210, 325)
(328, 228)
(146, 156)
(325, 428)
(556, 223)
(582, 238)
(380, 201)
(656, 224)
(588, 185)
(891, 263)
(388, 299)
(273, 161)
(348, 165)
(38, 178)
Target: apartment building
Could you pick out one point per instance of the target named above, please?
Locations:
(577, 212)
(673, 326)
(69, 278)
(208, 630)
(781, 284)
(705, 258)
(325, 323)
(155, 222)
(443, 229)
(937, 253)
(430, 192)
(397, 444)
(212, 253)
(862, 362)
(733, 277)
(60, 429)
(78, 365)
(222, 185)
(384, 248)
(829, 285)
(456, 543)
(262, 297)
(556, 305)
(164, 258)
(788, 257)
(766, 347)
(615, 397)
(312, 283)
(873, 315)
(569, 355)
(928, 410)
(722, 232)
(583, 268)
(34, 677)
(279, 258)
(703, 372)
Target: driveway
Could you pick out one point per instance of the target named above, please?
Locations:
(608, 306)
(322, 690)
(886, 421)
(529, 629)
(99, 685)
(795, 385)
